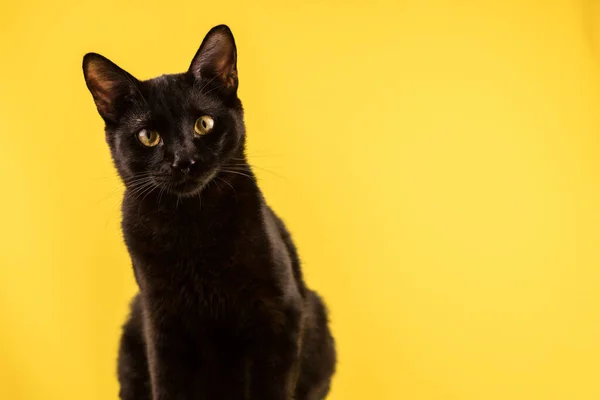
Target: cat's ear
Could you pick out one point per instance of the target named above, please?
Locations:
(216, 59)
(109, 85)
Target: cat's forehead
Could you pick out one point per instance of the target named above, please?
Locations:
(174, 86)
(176, 91)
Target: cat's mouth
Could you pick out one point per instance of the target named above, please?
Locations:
(191, 186)
(186, 187)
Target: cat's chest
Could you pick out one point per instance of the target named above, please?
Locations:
(165, 242)
(205, 268)
(213, 303)
(199, 296)
(209, 269)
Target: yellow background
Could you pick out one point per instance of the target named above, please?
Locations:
(437, 161)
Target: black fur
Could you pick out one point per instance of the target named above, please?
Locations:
(223, 311)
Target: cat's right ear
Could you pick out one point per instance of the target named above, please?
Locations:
(216, 59)
(109, 85)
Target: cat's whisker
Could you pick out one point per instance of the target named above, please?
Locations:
(153, 188)
(225, 181)
(110, 194)
(148, 186)
(139, 186)
(142, 193)
(134, 184)
(160, 194)
(238, 173)
(226, 169)
(266, 170)
(137, 177)
(137, 191)
(100, 178)
(256, 155)
(216, 184)
(248, 167)
(138, 183)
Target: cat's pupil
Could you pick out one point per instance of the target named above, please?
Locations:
(203, 122)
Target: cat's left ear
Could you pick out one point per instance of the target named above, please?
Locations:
(216, 59)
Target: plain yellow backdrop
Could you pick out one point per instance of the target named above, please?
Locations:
(438, 163)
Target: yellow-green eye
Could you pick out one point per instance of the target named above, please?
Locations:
(148, 138)
(203, 125)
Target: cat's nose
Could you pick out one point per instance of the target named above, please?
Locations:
(182, 164)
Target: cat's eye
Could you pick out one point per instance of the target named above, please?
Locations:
(203, 125)
(148, 138)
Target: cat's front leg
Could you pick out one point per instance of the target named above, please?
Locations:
(169, 379)
(275, 372)
(172, 365)
(178, 372)
(275, 363)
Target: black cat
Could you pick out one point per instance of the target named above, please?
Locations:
(223, 311)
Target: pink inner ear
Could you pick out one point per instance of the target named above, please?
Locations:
(102, 88)
(104, 93)
(224, 68)
(217, 57)
(221, 64)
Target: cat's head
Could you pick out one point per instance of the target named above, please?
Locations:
(172, 132)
